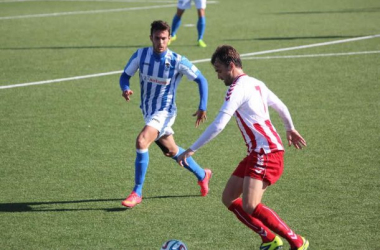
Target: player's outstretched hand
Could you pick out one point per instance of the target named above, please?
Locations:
(127, 94)
(201, 117)
(182, 157)
(295, 139)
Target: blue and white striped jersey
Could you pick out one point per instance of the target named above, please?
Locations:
(160, 76)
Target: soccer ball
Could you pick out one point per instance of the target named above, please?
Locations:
(174, 245)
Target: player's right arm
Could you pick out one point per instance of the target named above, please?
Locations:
(129, 70)
(124, 85)
(234, 98)
(210, 133)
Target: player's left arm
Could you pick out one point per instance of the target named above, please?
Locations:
(193, 73)
(292, 135)
(203, 93)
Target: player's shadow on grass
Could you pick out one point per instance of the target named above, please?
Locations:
(56, 206)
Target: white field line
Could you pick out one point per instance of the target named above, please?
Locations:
(88, 12)
(110, 1)
(60, 80)
(313, 55)
(195, 61)
(174, 4)
(300, 47)
(313, 45)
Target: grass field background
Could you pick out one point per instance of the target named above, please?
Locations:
(67, 148)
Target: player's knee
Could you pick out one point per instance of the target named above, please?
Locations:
(165, 150)
(180, 12)
(249, 207)
(226, 200)
(170, 154)
(142, 142)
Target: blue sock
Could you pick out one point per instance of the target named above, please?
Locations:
(141, 166)
(175, 25)
(201, 26)
(193, 165)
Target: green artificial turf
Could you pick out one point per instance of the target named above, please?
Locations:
(67, 148)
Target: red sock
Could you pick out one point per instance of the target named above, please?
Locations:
(275, 223)
(251, 222)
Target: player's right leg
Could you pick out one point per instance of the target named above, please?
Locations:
(176, 23)
(231, 199)
(143, 141)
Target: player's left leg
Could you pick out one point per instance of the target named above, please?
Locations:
(201, 24)
(201, 27)
(273, 221)
(176, 21)
(171, 149)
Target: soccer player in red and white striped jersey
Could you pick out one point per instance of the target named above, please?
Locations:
(248, 99)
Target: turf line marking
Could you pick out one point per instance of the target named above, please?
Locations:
(313, 45)
(110, 1)
(61, 79)
(299, 47)
(196, 61)
(89, 12)
(313, 55)
(97, 11)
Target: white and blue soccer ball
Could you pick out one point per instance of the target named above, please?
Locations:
(174, 245)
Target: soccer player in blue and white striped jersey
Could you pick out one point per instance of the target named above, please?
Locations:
(201, 24)
(160, 72)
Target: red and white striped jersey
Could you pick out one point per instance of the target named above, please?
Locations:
(248, 100)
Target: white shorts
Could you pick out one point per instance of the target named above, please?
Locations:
(186, 4)
(162, 121)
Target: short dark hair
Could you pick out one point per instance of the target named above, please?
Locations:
(227, 54)
(159, 25)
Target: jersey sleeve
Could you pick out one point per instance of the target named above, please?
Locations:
(281, 109)
(212, 131)
(188, 69)
(124, 81)
(203, 91)
(132, 65)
